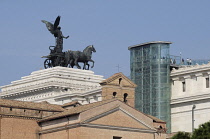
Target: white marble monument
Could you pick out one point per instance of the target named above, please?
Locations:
(190, 86)
(57, 85)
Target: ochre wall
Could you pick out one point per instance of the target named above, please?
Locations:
(63, 134)
(87, 133)
(107, 93)
(16, 128)
(119, 119)
(120, 85)
(98, 110)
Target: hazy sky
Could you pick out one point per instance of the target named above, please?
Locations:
(110, 25)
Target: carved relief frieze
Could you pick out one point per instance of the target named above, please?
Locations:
(54, 82)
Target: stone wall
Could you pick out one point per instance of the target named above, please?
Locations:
(190, 86)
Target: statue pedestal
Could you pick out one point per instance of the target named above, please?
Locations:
(57, 85)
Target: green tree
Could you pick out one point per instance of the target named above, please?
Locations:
(203, 132)
(181, 135)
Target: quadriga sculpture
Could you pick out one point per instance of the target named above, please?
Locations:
(72, 58)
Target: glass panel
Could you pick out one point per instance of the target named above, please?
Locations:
(150, 70)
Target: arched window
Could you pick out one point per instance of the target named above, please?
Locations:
(125, 97)
(114, 94)
(120, 80)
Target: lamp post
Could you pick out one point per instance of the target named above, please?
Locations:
(193, 117)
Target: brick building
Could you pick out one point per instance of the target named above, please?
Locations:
(112, 118)
(108, 119)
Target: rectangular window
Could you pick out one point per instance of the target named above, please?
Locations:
(183, 86)
(207, 82)
(115, 137)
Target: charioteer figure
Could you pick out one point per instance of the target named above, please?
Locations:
(56, 31)
(59, 40)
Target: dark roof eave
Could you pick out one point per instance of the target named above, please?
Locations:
(54, 118)
(40, 109)
(158, 121)
(153, 42)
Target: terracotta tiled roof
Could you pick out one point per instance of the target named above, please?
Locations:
(77, 110)
(71, 103)
(155, 119)
(82, 108)
(31, 105)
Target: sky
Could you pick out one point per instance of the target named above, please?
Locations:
(110, 25)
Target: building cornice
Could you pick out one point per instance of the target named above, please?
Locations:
(190, 98)
(20, 116)
(51, 83)
(197, 70)
(56, 74)
(152, 42)
(97, 126)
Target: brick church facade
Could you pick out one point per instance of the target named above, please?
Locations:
(112, 118)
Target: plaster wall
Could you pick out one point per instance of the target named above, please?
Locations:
(181, 115)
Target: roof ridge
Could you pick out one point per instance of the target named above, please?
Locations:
(76, 110)
(143, 112)
(107, 101)
(30, 105)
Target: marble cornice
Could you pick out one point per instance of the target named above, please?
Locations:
(187, 77)
(21, 92)
(175, 79)
(47, 85)
(76, 94)
(53, 74)
(189, 98)
(83, 92)
(53, 83)
(199, 74)
(49, 79)
(191, 70)
(189, 110)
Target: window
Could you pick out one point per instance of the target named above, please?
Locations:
(183, 86)
(115, 137)
(207, 82)
(114, 94)
(125, 97)
(120, 80)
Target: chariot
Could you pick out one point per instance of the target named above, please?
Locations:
(54, 59)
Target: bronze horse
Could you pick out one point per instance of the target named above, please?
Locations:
(74, 57)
